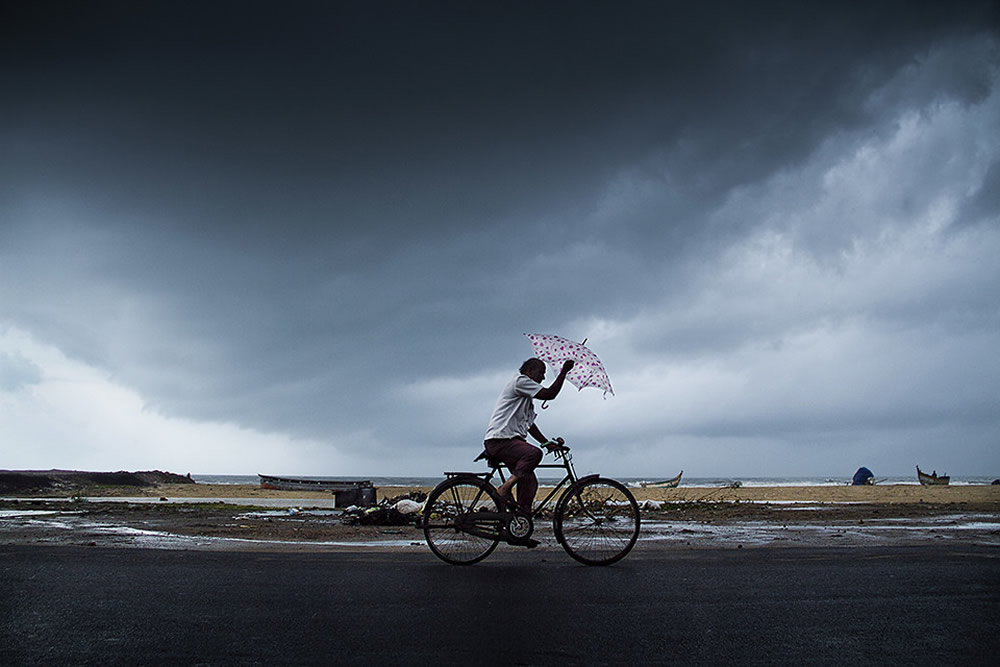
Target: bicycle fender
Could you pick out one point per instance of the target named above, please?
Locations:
(586, 478)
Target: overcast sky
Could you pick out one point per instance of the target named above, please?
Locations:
(307, 238)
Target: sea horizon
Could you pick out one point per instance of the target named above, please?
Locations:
(703, 482)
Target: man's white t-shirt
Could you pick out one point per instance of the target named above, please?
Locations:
(514, 413)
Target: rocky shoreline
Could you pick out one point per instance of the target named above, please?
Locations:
(78, 482)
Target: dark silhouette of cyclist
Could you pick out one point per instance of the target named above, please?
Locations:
(513, 420)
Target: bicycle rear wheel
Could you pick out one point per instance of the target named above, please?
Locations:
(461, 523)
(597, 521)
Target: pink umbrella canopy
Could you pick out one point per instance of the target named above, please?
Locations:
(587, 371)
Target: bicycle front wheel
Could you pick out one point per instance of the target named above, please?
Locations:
(461, 521)
(597, 521)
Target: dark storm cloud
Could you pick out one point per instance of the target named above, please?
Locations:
(331, 119)
(273, 214)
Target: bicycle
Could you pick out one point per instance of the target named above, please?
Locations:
(596, 519)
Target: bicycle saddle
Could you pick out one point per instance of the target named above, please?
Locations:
(491, 461)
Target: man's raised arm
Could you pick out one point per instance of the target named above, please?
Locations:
(550, 392)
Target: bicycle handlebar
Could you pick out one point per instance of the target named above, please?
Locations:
(557, 450)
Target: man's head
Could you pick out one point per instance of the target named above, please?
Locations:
(534, 368)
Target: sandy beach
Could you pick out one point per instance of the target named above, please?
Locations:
(888, 494)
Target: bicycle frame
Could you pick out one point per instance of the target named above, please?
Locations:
(567, 482)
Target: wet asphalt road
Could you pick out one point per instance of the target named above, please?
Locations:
(915, 605)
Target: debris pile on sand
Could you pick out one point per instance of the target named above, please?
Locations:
(399, 511)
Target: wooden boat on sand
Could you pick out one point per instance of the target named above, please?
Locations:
(932, 479)
(305, 484)
(665, 484)
(345, 492)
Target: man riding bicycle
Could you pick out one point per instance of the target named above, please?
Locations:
(513, 420)
(595, 519)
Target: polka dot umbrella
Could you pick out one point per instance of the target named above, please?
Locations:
(586, 372)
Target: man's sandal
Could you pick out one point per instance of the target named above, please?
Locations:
(523, 542)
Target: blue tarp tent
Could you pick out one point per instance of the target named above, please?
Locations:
(863, 477)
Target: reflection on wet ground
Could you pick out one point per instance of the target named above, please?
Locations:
(61, 521)
(973, 528)
(37, 526)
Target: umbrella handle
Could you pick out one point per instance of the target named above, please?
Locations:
(545, 405)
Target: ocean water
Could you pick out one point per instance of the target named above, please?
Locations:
(702, 482)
